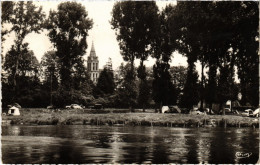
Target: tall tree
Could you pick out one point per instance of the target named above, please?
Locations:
(24, 19)
(134, 24)
(190, 94)
(163, 89)
(245, 43)
(184, 31)
(68, 30)
(216, 40)
(144, 89)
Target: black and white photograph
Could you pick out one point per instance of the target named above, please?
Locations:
(130, 82)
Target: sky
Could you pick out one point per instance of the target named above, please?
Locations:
(101, 34)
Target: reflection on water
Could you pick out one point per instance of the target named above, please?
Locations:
(105, 144)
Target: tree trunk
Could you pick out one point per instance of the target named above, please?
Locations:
(210, 108)
(51, 89)
(223, 109)
(160, 110)
(16, 71)
(202, 85)
(132, 79)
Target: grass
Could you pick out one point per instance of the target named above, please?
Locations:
(124, 117)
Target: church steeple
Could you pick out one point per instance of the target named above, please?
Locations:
(93, 64)
(92, 51)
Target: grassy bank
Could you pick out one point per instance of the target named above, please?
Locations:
(124, 117)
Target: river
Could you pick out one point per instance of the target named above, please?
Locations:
(107, 144)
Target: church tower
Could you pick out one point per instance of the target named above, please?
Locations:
(93, 65)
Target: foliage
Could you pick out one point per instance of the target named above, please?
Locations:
(106, 84)
(6, 10)
(223, 37)
(178, 76)
(190, 94)
(49, 65)
(30, 93)
(246, 45)
(144, 93)
(211, 86)
(68, 29)
(20, 63)
(164, 92)
(134, 24)
(6, 13)
(24, 19)
(27, 79)
(28, 65)
(126, 93)
(220, 43)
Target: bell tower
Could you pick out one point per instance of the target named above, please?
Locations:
(92, 65)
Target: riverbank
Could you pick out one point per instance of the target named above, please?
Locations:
(124, 117)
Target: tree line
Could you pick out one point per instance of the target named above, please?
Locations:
(222, 36)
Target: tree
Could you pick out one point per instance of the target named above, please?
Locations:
(233, 41)
(7, 11)
(50, 73)
(50, 68)
(27, 76)
(245, 44)
(119, 76)
(211, 88)
(179, 76)
(80, 75)
(68, 29)
(144, 88)
(126, 91)
(220, 43)
(106, 84)
(28, 65)
(184, 32)
(29, 91)
(134, 25)
(190, 94)
(26, 18)
(164, 92)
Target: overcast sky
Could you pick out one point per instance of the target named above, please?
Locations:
(101, 34)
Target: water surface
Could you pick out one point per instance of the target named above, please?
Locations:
(106, 144)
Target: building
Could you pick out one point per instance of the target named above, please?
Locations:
(93, 65)
(108, 65)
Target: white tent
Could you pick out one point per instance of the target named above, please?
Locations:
(14, 111)
(164, 109)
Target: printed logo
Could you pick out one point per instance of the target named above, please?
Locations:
(243, 154)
